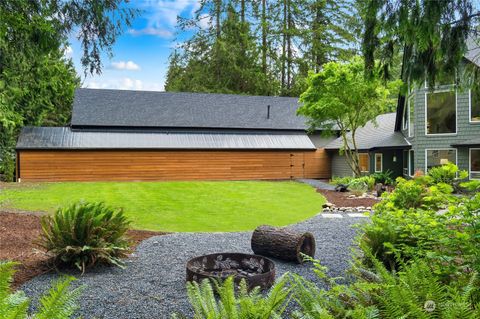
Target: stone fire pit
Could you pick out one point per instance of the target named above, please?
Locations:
(256, 270)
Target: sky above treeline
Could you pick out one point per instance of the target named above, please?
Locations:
(140, 55)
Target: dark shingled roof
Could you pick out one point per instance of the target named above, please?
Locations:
(135, 109)
(380, 136)
(65, 138)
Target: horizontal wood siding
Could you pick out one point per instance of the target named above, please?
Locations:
(123, 165)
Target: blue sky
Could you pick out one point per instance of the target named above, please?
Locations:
(140, 55)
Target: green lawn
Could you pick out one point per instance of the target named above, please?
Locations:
(179, 206)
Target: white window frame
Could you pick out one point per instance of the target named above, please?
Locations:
(470, 109)
(440, 149)
(456, 113)
(410, 163)
(411, 131)
(381, 163)
(368, 162)
(470, 162)
(405, 113)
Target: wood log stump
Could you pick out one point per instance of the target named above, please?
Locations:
(282, 243)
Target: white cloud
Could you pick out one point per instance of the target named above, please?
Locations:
(68, 51)
(122, 65)
(205, 21)
(125, 83)
(162, 16)
(162, 33)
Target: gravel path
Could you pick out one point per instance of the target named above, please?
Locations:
(153, 284)
(317, 184)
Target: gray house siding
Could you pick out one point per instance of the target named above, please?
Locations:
(465, 130)
(340, 167)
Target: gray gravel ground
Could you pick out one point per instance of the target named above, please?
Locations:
(317, 183)
(153, 284)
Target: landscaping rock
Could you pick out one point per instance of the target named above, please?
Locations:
(153, 284)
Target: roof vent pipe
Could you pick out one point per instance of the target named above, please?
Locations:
(268, 112)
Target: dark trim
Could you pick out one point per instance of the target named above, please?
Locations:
(165, 149)
(465, 145)
(391, 148)
(17, 166)
(187, 129)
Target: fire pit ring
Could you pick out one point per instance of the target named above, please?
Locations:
(256, 270)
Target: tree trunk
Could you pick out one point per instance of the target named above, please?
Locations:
(289, 45)
(282, 243)
(264, 37)
(284, 42)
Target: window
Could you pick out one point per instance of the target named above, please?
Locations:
(440, 157)
(378, 162)
(475, 163)
(441, 113)
(411, 110)
(475, 105)
(405, 117)
(411, 163)
(363, 162)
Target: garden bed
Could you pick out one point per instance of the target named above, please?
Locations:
(340, 199)
(18, 233)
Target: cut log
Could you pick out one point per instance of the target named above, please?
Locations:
(282, 243)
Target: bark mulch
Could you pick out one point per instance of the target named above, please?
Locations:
(18, 233)
(341, 199)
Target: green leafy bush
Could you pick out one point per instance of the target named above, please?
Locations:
(342, 180)
(231, 304)
(413, 292)
(447, 174)
(58, 303)
(85, 234)
(385, 178)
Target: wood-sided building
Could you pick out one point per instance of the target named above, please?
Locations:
(138, 136)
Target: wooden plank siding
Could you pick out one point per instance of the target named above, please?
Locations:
(149, 165)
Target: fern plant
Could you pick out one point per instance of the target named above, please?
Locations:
(413, 292)
(223, 300)
(85, 234)
(59, 303)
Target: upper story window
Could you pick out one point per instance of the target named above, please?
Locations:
(475, 105)
(441, 113)
(405, 117)
(411, 115)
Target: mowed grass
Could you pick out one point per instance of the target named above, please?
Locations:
(179, 206)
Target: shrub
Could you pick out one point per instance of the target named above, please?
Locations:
(58, 303)
(342, 180)
(85, 234)
(413, 292)
(385, 178)
(446, 174)
(232, 304)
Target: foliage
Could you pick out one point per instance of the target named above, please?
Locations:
(357, 184)
(260, 47)
(448, 239)
(86, 234)
(234, 304)
(339, 97)
(60, 302)
(193, 206)
(37, 80)
(412, 292)
(431, 34)
(385, 178)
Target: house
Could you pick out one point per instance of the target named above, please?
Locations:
(430, 128)
(135, 135)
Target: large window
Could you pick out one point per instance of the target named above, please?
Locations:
(475, 105)
(411, 117)
(363, 161)
(475, 163)
(378, 162)
(440, 157)
(441, 113)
